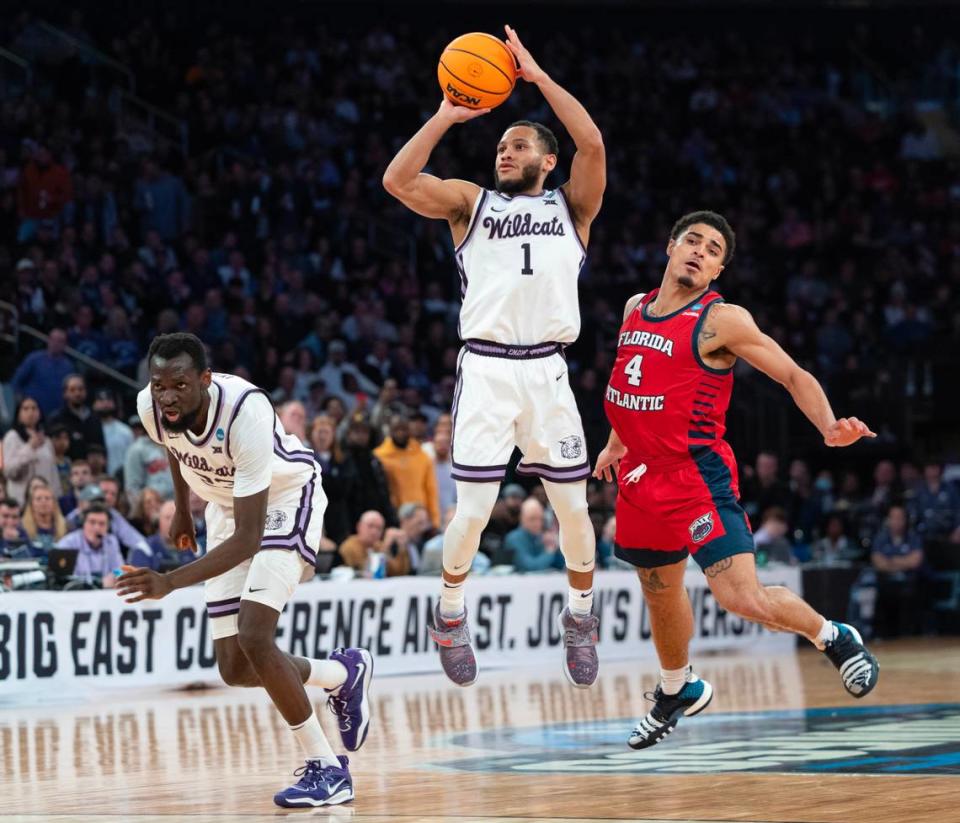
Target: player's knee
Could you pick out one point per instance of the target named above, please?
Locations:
(254, 641)
(750, 604)
(238, 672)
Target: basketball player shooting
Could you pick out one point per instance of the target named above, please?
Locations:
(667, 401)
(519, 249)
(264, 515)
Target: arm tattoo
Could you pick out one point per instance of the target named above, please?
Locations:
(708, 332)
(719, 567)
(650, 581)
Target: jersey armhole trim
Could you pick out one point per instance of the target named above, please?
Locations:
(236, 411)
(573, 224)
(696, 334)
(637, 303)
(474, 218)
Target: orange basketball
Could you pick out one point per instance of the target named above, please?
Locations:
(477, 71)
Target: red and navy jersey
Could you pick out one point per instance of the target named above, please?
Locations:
(662, 400)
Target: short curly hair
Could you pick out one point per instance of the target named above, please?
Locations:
(712, 219)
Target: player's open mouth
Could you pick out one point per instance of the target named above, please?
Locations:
(693, 265)
(171, 414)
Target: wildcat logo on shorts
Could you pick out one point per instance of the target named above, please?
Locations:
(275, 520)
(571, 447)
(701, 527)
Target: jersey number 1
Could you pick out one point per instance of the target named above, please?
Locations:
(526, 259)
(632, 370)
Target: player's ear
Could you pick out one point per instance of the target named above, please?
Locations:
(206, 378)
(718, 273)
(671, 246)
(549, 163)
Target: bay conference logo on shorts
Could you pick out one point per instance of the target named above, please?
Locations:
(275, 520)
(571, 447)
(701, 527)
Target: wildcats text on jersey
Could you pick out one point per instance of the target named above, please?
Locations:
(648, 340)
(520, 225)
(199, 463)
(635, 402)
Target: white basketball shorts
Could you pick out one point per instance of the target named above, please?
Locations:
(291, 537)
(520, 396)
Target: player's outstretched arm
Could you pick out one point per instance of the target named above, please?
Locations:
(588, 171)
(249, 514)
(423, 193)
(732, 329)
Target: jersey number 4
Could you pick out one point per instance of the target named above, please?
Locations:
(633, 370)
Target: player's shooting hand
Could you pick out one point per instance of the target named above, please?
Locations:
(608, 463)
(846, 431)
(529, 70)
(458, 114)
(142, 584)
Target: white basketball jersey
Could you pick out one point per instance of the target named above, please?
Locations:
(519, 263)
(206, 462)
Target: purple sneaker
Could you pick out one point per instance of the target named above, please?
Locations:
(580, 636)
(318, 786)
(351, 703)
(456, 651)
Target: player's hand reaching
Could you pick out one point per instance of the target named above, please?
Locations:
(458, 114)
(846, 431)
(529, 70)
(183, 532)
(143, 584)
(608, 462)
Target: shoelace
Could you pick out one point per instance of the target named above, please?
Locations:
(638, 729)
(338, 705)
(308, 773)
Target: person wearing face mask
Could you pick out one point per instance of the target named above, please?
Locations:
(117, 435)
(366, 481)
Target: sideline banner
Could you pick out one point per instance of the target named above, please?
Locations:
(68, 642)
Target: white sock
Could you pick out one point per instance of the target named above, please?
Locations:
(314, 742)
(672, 680)
(580, 601)
(330, 674)
(451, 599)
(827, 634)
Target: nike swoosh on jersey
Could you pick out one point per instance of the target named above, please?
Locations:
(254, 591)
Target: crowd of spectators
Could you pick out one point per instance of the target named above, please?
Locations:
(271, 238)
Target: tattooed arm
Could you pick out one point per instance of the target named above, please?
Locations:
(730, 332)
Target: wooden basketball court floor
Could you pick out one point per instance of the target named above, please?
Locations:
(781, 742)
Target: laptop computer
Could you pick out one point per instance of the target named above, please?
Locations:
(62, 562)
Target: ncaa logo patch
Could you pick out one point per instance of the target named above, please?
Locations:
(571, 447)
(220, 435)
(275, 520)
(701, 527)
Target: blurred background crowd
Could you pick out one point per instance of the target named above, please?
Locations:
(225, 180)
